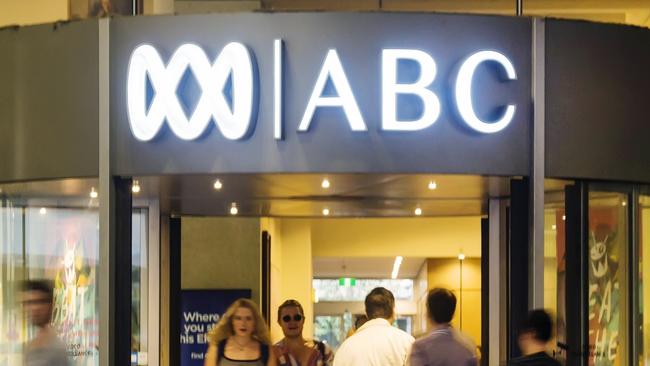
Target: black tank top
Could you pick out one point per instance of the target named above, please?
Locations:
(222, 360)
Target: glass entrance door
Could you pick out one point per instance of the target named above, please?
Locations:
(601, 266)
(608, 299)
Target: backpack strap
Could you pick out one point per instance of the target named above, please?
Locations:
(221, 349)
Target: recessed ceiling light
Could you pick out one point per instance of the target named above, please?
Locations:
(563, 217)
(554, 227)
(217, 184)
(624, 203)
(461, 256)
(135, 188)
(233, 209)
(93, 193)
(433, 185)
(418, 211)
(42, 211)
(325, 183)
(326, 211)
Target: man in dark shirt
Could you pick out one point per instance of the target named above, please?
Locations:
(534, 336)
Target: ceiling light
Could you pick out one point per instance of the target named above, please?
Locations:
(217, 184)
(325, 183)
(233, 209)
(461, 256)
(433, 185)
(42, 211)
(563, 217)
(396, 265)
(326, 211)
(418, 211)
(624, 203)
(135, 188)
(93, 193)
(554, 227)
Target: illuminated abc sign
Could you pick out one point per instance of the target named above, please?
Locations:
(236, 122)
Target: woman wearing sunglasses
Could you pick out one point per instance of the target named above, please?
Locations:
(293, 349)
(241, 338)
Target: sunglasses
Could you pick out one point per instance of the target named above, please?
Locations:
(296, 318)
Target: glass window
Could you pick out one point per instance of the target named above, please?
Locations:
(62, 245)
(555, 273)
(329, 329)
(608, 288)
(12, 325)
(335, 290)
(405, 323)
(139, 287)
(50, 230)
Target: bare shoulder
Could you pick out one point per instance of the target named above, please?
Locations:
(211, 356)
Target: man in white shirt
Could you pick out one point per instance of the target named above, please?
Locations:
(377, 342)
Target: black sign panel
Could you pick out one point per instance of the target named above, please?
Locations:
(597, 81)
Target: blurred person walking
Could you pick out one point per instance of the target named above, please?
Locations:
(241, 338)
(45, 349)
(377, 342)
(293, 349)
(534, 336)
(443, 346)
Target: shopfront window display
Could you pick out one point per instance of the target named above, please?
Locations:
(608, 288)
(61, 244)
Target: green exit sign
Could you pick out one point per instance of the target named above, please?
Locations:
(347, 282)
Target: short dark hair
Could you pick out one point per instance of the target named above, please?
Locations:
(290, 304)
(380, 303)
(441, 304)
(539, 323)
(45, 287)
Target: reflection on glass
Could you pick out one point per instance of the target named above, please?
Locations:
(607, 278)
(12, 324)
(139, 287)
(62, 245)
(643, 329)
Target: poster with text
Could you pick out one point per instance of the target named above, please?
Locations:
(200, 311)
(607, 245)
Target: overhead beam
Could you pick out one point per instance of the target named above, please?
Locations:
(498, 6)
(348, 5)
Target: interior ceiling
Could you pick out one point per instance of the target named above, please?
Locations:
(301, 195)
(635, 12)
(289, 195)
(333, 267)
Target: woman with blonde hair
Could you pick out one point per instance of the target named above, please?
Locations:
(241, 338)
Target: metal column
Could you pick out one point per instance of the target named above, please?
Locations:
(536, 253)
